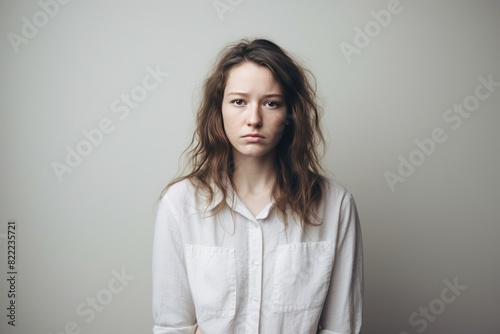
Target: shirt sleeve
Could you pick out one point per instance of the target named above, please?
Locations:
(173, 308)
(343, 308)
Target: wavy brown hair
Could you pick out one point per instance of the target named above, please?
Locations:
(300, 183)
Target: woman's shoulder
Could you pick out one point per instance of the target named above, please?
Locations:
(188, 196)
(337, 192)
(179, 191)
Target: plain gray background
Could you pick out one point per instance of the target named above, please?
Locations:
(440, 225)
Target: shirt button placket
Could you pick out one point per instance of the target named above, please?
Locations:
(255, 278)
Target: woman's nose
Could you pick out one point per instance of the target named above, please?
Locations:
(254, 118)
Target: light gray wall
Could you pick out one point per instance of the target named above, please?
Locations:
(437, 228)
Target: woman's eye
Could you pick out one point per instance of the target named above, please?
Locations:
(238, 102)
(272, 104)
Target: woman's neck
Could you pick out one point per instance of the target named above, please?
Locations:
(254, 175)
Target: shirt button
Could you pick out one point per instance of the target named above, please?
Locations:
(256, 225)
(256, 263)
(255, 300)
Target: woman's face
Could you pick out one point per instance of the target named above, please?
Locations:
(253, 110)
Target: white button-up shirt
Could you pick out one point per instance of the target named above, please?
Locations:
(238, 273)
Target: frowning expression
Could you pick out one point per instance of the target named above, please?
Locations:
(253, 110)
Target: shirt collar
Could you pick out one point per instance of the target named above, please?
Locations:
(234, 202)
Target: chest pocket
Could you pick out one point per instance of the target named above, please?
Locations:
(212, 279)
(302, 275)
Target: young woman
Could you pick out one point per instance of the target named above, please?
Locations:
(255, 239)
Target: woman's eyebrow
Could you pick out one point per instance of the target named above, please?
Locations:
(246, 94)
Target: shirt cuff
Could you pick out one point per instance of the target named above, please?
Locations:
(179, 330)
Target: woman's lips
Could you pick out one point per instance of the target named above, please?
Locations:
(253, 138)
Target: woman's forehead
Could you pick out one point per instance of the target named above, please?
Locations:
(249, 78)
